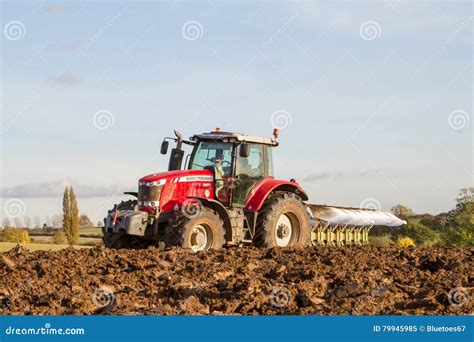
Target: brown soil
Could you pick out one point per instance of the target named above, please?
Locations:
(248, 281)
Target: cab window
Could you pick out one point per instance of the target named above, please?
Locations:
(252, 166)
(268, 151)
(208, 153)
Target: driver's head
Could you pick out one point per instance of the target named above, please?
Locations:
(220, 154)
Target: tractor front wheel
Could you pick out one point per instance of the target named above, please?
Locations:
(200, 233)
(282, 222)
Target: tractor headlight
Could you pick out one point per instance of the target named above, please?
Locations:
(149, 195)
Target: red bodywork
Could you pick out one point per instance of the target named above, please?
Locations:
(260, 192)
(179, 186)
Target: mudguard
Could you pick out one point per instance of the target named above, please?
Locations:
(221, 210)
(260, 192)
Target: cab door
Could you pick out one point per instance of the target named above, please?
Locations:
(248, 172)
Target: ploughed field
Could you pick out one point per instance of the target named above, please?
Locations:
(314, 281)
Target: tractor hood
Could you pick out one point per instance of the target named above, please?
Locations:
(177, 177)
(166, 190)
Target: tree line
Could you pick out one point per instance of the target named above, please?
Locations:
(52, 222)
(65, 228)
(454, 228)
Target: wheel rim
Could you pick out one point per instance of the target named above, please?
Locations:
(284, 230)
(201, 238)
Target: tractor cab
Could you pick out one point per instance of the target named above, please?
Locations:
(237, 161)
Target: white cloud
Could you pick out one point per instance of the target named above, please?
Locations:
(393, 17)
(56, 189)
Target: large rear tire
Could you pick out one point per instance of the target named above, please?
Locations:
(282, 222)
(201, 233)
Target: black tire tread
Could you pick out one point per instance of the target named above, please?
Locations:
(267, 214)
(176, 232)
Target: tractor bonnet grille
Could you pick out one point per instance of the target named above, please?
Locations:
(149, 193)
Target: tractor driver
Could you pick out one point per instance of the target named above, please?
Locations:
(244, 166)
(220, 170)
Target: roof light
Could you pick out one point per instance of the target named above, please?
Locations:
(276, 132)
(218, 130)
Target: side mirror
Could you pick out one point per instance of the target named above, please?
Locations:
(164, 147)
(244, 150)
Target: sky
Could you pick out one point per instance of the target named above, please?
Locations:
(373, 99)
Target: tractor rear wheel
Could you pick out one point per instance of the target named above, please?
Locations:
(282, 222)
(200, 233)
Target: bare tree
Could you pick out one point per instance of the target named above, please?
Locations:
(18, 222)
(6, 222)
(85, 222)
(57, 221)
(48, 221)
(27, 222)
(37, 222)
(402, 211)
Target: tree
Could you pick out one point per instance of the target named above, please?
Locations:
(59, 237)
(461, 219)
(402, 211)
(15, 235)
(18, 222)
(419, 233)
(465, 208)
(56, 221)
(74, 217)
(27, 222)
(70, 216)
(85, 222)
(37, 222)
(67, 215)
(6, 222)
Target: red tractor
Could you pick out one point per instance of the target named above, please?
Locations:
(227, 195)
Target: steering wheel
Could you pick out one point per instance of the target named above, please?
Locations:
(213, 160)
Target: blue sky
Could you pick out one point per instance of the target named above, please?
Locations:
(377, 96)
